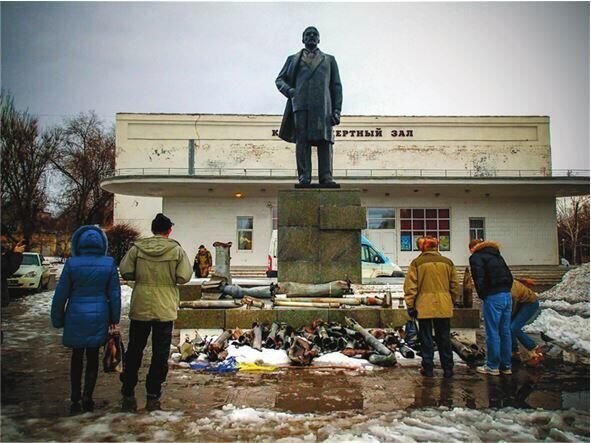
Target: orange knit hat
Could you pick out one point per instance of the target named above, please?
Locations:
(427, 244)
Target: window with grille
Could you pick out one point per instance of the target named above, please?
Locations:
(415, 223)
(477, 228)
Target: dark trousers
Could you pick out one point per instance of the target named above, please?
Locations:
(304, 152)
(90, 376)
(138, 337)
(442, 338)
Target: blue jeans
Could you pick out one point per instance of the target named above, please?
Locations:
(496, 309)
(524, 313)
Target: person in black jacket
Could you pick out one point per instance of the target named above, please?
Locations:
(11, 261)
(493, 281)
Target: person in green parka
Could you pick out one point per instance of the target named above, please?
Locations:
(156, 264)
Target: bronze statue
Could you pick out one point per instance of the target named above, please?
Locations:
(310, 81)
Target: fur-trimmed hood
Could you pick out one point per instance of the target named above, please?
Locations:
(487, 244)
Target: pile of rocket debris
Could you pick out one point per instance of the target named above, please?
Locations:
(219, 292)
(378, 346)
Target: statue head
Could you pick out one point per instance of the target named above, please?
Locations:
(311, 37)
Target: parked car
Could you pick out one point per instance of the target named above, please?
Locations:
(373, 262)
(32, 274)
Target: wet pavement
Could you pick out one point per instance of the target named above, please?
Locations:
(35, 391)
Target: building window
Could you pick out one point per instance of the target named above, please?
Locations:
(244, 231)
(477, 228)
(415, 223)
(381, 218)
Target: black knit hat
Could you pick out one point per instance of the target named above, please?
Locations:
(161, 223)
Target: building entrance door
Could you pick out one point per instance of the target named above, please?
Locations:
(384, 240)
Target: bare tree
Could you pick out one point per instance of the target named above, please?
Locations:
(86, 157)
(26, 154)
(572, 215)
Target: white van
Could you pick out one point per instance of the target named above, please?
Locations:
(373, 262)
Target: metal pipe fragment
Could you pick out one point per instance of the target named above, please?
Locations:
(257, 341)
(216, 348)
(331, 289)
(210, 304)
(342, 301)
(270, 342)
(383, 360)
(471, 353)
(249, 301)
(236, 291)
(305, 305)
(369, 339)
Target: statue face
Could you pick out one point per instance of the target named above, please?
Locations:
(311, 37)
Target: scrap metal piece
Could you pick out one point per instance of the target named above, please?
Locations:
(343, 301)
(470, 352)
(294, 304)
(270, 341)
(215, 349)
(332, 289)
(383, 360)
(369, 339)
(250, 302)
(257, 341)
(236, 291)
(301, 352)
(210, 304)
(187, 350)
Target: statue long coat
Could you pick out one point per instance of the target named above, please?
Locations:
(318, 91)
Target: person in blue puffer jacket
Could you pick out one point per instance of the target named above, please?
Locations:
(86, 301)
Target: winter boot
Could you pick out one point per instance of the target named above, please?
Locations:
(153, 404)
(75, 408)
(128, 404)
(87, 404)
(448, 373)
(426, 372)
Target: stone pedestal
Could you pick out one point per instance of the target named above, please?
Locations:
(319, 235)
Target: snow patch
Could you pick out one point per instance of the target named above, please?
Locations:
(569, 333)
(267, 357)
(339, 359)
(573, 288)
(566, 308)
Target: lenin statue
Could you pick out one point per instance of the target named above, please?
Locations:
(310, 81)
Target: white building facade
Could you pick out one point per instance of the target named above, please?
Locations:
(217, 177)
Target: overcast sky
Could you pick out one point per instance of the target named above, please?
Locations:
(59, 59)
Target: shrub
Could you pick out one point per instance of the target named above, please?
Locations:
(120, 238)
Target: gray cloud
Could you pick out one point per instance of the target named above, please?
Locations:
(395, 58)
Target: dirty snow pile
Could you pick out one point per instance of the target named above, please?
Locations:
(231, 423)
(573, 288)
(565, 312)
(569, 333)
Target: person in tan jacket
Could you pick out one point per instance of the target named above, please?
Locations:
(525, 307)
(431, 289)
(156, 264)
